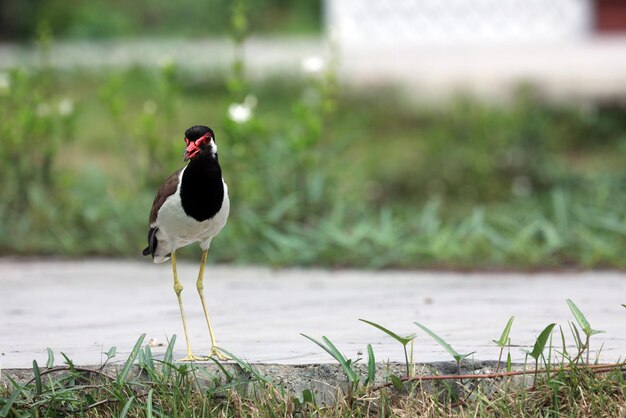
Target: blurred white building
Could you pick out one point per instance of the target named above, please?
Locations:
(571, 47)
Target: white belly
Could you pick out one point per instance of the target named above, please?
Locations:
(177, 229)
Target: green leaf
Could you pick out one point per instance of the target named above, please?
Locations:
(9, 403)
(580, 318)
(121, 378)
(402, 340)
(69, 362)
(624, 305)
(505, 334)
(508, 361)
(457, 356)
(50, 362)
(147, 357)
(37, 373)
(229, 376)
(168, 358)
(564, 345)
(332, 350)
(246, 366)
(541, 341)
(371, 365)
(127, 407)
(307, 396)
(111, 353)
(149, 404)
(397, 382)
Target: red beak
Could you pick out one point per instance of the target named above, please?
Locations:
(191, 150)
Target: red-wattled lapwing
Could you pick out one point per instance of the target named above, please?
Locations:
(191, 206)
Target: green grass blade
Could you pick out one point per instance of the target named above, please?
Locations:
(371, 365)
(50, 362)
(148, 359)
(563, 344)
(7, 406)
(541, 341)
(397, 382)
(127, 407)
(324, 348)
(580, 318)
(402, 340)
(111, 353)
(37, 373)
(582, 321)
(334, 353)
(169, 351)
(334, 349)
(505, 334)
(308, 396)
(442, 343)
(227, 375)
(149, 404)
(345, 363)
(246, 366)
(121, 378)
(168, 358)
(69, 362)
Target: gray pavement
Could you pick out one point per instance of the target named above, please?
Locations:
(593, 67)
(82, 308)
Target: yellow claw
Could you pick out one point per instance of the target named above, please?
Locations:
(191, 357)
(218, 354)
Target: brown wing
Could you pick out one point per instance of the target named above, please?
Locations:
(167, 189)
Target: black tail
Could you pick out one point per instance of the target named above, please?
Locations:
(152, 242)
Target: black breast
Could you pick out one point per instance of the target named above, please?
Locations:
(201, 189)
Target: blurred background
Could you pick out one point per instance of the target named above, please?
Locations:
(406, 134)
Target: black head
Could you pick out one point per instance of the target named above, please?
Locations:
(196, 132)
(198, 139)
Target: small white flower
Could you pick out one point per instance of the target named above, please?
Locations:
(150, 107)
(313, 65)
(239, 113)
(66, 107)
(5, 82)
(43, 110)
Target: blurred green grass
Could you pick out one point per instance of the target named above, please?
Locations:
(102, 19)
(318, 176)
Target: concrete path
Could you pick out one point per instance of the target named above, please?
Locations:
(82, 308)
(594, 67)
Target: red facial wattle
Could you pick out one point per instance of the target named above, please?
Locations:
(193, 147)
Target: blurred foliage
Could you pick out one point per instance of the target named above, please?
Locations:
(317, 176)
(117, 18)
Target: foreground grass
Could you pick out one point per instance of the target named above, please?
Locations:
(163, 388)
(561, 383)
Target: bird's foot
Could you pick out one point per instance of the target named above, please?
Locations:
(215, 353)
(191, 357)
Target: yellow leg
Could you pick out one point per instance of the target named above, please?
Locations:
(178, 288)
(214, 351)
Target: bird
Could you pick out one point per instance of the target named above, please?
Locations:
(191, 206)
